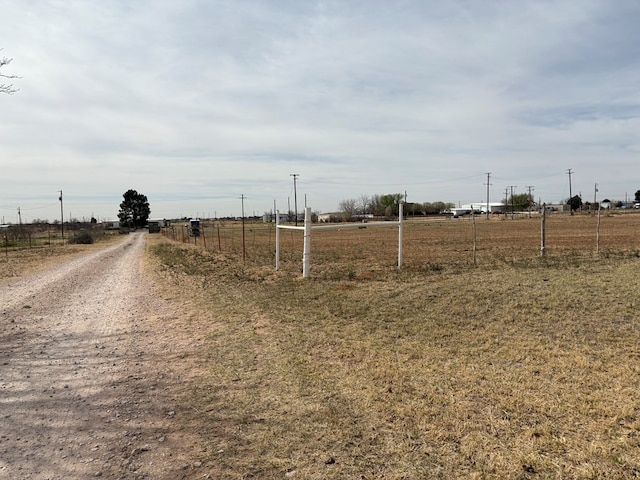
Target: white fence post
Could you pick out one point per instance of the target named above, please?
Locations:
(400, 215)
(306, 255)
(277, 240)
(308, 227)
(543, 231)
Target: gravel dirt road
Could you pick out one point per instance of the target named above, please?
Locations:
(91, 374)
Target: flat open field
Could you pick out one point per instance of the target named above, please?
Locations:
(42, 249)
(431, 243)
(516, 367)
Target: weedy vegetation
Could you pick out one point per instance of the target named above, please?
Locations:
(27, 248)
(517, 366)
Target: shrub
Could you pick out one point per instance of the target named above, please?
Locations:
(83, 237)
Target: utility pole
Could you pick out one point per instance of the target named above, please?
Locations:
(512, 203)
(295, 195)
(530, 188)
(19, 216)
(506, 200)
(488, 185)
(61, 216)
(405, 199)
(595, 195)
(569, 172)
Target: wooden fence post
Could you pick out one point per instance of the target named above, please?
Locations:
(473, 221)
(598, 233)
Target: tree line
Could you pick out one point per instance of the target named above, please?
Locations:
(387, 205)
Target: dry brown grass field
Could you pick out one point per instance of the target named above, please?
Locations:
(429, 244)
(515, 367)
(35, 249)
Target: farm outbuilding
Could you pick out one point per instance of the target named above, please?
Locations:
(154, 226)
(271, 218)
(481, 207)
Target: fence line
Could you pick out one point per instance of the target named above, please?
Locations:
(430, 243)
(308, 228)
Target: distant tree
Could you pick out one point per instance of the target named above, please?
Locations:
(349, 207)
(374, 206)
(390, 202)
(6, 88)
(638, 196)
(520, 202)
(134, 209)
(429, 208)
(364, 204)
(435, 207)
(575, 202)
(413, 208)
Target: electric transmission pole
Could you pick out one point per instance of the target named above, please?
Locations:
(530, 189)
(506, 200)
(295, 195)
(488, 185)
(569, 172)
(512, 204)
(61, 216)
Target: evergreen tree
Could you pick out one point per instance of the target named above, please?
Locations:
(134, 210)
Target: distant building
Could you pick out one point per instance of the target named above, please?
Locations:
(154, 226)
(271, 217)
(481, 207)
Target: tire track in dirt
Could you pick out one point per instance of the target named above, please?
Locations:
(83, 390)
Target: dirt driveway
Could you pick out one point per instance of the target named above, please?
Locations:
(91, 374)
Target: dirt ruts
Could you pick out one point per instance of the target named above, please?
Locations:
(90, 374)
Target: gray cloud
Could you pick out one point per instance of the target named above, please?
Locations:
(196, 102)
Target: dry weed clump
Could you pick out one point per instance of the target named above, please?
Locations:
(513, 370)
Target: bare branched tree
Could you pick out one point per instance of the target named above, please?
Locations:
(364, 202)
(349, 208)
(6, 88)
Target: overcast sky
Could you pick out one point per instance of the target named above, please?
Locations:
(195, 103)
